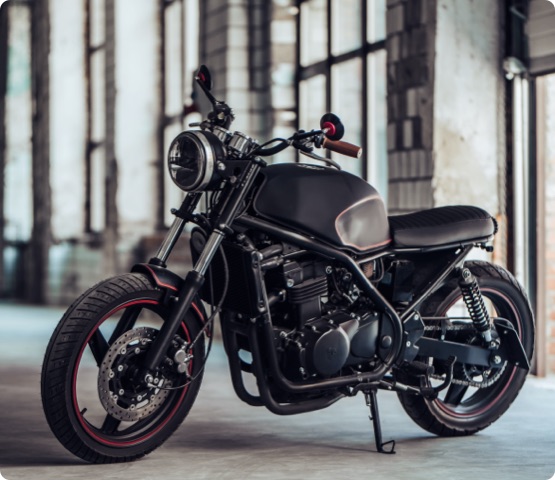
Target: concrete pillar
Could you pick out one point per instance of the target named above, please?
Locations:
(548, 150)
(445, 94)
(468, 94)
(37, 271)
(111, 234)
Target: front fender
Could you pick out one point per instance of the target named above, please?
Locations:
(171, 283)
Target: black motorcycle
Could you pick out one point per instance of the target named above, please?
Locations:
(320, 296)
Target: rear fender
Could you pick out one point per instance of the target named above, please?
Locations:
(171, 283)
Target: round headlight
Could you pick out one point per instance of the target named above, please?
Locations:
(192, 160)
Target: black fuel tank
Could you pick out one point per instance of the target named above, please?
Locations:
(326, 203)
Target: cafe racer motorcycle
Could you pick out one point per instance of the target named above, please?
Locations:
(319, 293)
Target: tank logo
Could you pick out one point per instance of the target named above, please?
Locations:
(310, 167)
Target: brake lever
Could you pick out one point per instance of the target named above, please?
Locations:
(314, 156)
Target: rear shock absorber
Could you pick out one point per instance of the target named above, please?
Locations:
(475, 304)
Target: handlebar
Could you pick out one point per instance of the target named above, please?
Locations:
(344, 148)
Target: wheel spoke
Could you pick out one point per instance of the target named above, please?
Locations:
(110, 425)
(98, 346)
(125, 323)
(455, 394)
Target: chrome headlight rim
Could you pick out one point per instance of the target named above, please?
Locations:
(210, 151)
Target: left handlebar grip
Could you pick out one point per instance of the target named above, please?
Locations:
(344, 148)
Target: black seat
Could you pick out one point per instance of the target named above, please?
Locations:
(441, 226)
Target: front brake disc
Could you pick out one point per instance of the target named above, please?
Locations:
(122, 396)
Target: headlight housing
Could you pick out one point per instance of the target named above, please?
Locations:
(192, 160)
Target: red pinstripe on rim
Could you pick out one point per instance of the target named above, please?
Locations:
(86, 426)
(442, 406)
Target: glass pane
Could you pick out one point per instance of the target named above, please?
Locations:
(347, 105)
(314, 31)
(174, 59)
(97, 22)
(191, 39)
(377, 122)
(98, 96)
(346, 26)
(18, 105)
(375, 21)
(312, 102)
(98, 190)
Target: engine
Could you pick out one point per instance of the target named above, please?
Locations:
(319, 326)
(322, 321)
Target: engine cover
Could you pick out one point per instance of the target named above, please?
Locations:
(328, 345)
(337, 340)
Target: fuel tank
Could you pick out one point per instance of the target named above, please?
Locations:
(330, 205)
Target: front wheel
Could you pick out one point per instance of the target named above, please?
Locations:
(477, 396)
(94, 398)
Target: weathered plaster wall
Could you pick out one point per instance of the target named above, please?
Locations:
(468, 92)
(549, 150)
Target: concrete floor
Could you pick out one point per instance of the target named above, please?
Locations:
(225, 439)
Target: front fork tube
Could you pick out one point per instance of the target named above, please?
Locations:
(188, 205)
(191, 286)
(195, 278)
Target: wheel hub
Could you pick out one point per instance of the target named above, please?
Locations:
(121, 393)
(479, 376)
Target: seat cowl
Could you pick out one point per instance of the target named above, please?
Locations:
(441, 226)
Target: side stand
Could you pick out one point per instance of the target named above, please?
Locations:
(372, 402)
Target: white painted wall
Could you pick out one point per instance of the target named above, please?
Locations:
(67, 118)
(468, 88)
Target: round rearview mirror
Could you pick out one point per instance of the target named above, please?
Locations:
(204, 77)
(332, 126)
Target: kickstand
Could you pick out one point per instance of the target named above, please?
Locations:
(372, 402)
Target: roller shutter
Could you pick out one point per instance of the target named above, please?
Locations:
(540, 29)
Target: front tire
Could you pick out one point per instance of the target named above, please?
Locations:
(464, 410)
(91, 397)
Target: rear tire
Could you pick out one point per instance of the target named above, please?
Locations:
(473, 411)
(91, 397)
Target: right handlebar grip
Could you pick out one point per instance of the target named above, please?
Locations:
(344, 148)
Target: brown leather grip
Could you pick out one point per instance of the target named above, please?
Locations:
(343, 148)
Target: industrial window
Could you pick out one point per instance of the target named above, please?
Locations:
(342, 69)
(180, 34)
(95, 219)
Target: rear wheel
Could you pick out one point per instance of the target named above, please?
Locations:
(477, 396)
(94, 398)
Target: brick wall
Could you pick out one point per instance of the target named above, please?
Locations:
(235, 44)
(410, 82)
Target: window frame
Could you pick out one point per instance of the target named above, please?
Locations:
(324, 67)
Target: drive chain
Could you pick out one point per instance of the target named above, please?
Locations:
(487, 382)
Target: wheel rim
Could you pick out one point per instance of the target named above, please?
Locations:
(476, 401)
(87, 405)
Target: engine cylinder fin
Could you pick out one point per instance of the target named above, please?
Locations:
(308, 290)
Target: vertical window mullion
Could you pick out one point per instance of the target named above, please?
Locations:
(328, 60)
(364, 95)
